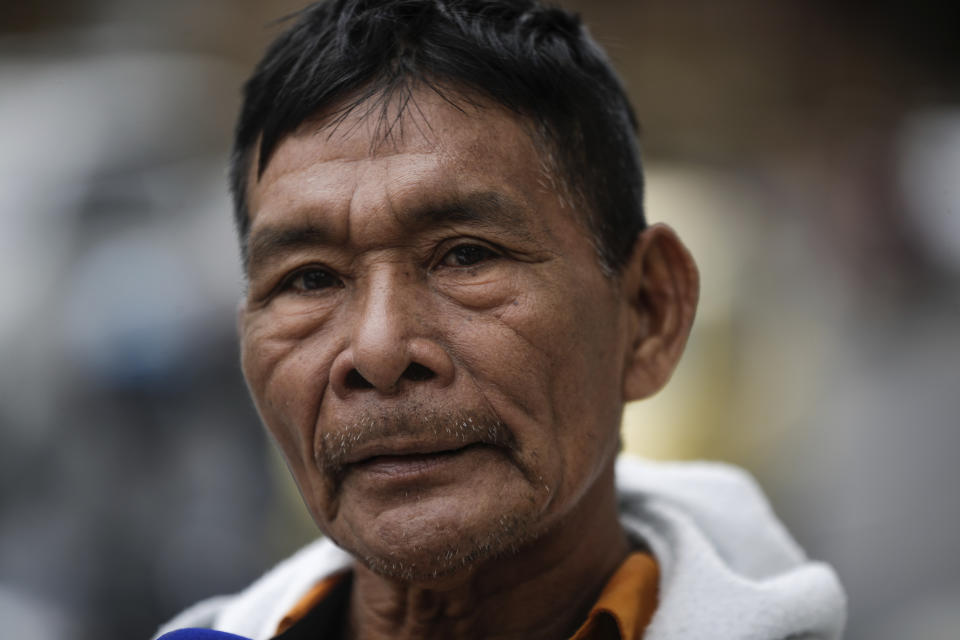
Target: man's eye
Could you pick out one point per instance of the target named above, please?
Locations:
(467, 255)
(313, 279)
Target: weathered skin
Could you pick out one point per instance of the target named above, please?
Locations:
(476, 486)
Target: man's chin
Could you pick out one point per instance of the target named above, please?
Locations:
(426, 552)
(428, 567)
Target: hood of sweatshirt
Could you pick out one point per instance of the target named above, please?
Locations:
(729, 570)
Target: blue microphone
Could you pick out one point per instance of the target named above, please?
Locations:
(200, 634)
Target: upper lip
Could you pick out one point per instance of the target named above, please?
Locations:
(404, 447)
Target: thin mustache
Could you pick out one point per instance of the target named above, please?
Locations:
(461, 428)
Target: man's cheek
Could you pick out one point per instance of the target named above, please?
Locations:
(264, 341)
(285, 349)
(279, 378)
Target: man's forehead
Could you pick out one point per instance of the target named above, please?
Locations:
(424, 119)
(432, 147)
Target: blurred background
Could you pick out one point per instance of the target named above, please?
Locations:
(808, 152)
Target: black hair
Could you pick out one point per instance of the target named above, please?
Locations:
(537, 61)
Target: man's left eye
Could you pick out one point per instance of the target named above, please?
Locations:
(467, 255)
(311, 279)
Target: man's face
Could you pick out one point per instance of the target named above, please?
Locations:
(429, 337)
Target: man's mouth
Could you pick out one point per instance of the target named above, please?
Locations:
(409, 464)
(404, 448)
(409, 444)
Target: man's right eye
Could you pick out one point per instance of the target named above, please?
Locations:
(311, 279)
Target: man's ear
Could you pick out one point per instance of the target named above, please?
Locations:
(662, 286)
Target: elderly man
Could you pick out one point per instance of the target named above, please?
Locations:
(451, 294)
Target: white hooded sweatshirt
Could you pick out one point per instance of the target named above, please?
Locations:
(728, 568)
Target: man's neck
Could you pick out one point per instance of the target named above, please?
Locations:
(545, 590)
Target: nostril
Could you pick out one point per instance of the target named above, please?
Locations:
(418, 373)
(356, 381)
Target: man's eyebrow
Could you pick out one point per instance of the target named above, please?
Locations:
(489, 209)
(271, 241)
(484, 209)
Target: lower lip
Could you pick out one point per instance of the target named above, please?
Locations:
(410, 466)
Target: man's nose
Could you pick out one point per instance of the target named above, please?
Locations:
(391, 344)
